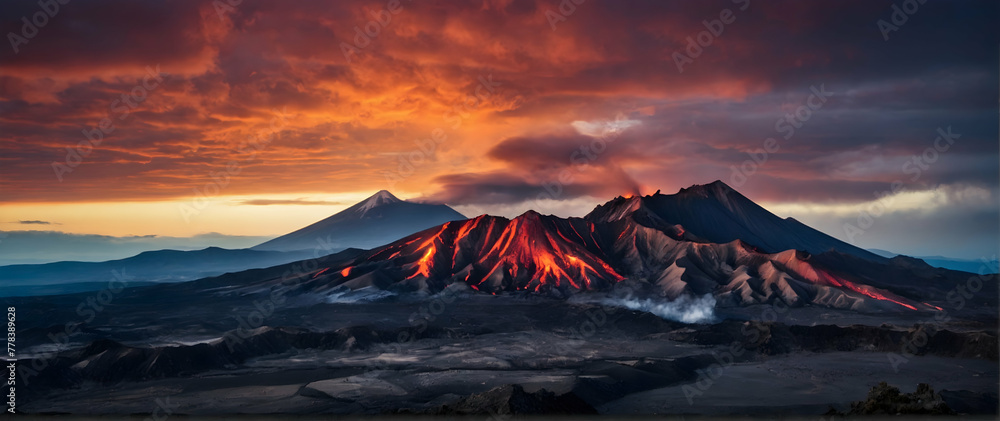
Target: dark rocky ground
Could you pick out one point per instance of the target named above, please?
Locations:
(212, 355)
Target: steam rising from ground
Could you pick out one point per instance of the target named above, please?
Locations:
(686, 309)
(367, 294)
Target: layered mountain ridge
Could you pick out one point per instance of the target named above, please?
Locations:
(703, 240)
(717, 213)
(378, 220)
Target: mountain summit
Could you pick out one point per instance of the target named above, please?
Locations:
(717, 213)
(383, 197)
(377, 220)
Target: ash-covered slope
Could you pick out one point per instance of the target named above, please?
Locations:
(378, 220)
(716, 213)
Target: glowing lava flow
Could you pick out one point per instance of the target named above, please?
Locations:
(493, 254)
(528, 244)
(462, 233)
(876, 295)
(320, 273)
(345, 272)
(425, 263)
(824, 278)
(583, 267)
(547, 263)
(869, 291)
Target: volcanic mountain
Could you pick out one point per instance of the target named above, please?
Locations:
(378, 220)
(630, 243)
(716, 213)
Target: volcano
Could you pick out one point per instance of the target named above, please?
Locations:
(373, 222)
(703, 240)
(717, 213)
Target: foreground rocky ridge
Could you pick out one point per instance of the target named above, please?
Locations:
(611, 358)
(110, 362)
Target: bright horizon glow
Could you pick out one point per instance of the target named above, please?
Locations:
(223, 214)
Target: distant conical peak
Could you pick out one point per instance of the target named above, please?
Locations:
(378, 199)
(384, 195)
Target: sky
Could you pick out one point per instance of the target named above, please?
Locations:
(252, 118)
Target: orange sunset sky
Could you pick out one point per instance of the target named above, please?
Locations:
(258, 123)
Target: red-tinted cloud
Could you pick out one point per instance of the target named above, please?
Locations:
(355, 124)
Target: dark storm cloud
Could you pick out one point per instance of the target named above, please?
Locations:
(106, 34)
(502, 188)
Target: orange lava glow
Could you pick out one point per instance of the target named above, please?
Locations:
(876, 295)
(462, 233)
(320, 273)
(828, 279)
(822, 277)
(547, 264)
(424, 264)
(527, 244)
(868, 291)
(345, 272)
(525, 253)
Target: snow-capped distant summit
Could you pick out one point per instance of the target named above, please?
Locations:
(378, 199)
(377, 220)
